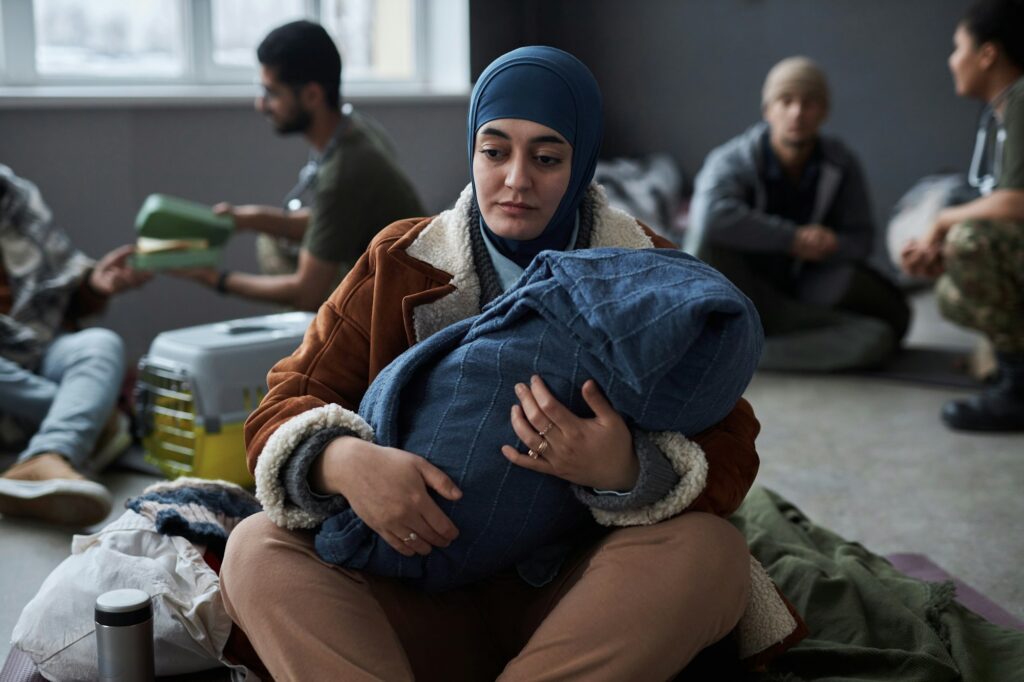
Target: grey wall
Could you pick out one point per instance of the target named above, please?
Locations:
(95, 166)
(683, 76)
(677, 75)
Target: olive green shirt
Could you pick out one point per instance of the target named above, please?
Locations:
(1011, 173)
(359, 191)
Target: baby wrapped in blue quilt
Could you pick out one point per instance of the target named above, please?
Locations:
(669, 340)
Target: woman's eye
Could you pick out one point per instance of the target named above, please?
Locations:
(491, 153)
(548, 160)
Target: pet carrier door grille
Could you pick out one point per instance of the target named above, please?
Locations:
(167, 411)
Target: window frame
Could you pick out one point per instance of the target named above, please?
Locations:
(441, 62)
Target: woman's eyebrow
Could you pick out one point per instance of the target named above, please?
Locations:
(552, 139)
(495, 132)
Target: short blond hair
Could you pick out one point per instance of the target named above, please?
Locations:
(798, 75)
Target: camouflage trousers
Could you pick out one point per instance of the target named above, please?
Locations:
(983, 287)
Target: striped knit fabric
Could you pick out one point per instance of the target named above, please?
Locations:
(670, 341)
(202, 511)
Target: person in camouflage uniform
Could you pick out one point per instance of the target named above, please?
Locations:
(977, 249)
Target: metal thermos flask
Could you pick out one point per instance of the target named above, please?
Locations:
(124, 636)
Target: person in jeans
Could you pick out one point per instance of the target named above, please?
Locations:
(783, 211)
(977, 249)
(637, 599)
(58, 386)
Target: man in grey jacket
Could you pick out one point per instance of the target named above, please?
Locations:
(784, 212)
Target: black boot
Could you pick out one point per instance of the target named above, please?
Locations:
(1000, 408)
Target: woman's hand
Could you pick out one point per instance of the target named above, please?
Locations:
(387, 489)
(595, 452)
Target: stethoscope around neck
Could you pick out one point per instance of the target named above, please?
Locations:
(984, 180)
(307, 174)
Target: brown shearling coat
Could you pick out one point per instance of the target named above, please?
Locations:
(370, 319)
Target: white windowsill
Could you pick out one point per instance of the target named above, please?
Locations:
(177, 95)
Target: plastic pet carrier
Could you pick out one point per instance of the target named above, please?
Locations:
(197, 385)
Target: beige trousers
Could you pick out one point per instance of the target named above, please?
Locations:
(639, 605)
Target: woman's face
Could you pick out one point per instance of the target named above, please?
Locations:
(521, 169)
(967, 63)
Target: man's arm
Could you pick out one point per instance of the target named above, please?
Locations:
(722, 209)
(306, 289)
(268, 220)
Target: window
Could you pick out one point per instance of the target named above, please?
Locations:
(108, 38)
(239, 26)
(401, 46)
(378, 37)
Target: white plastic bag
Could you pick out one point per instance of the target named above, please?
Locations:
(190, 626)
(916, 211)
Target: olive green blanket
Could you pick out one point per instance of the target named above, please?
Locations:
(867, 621)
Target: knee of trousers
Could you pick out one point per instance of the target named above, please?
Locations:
(969, 247)
(713, 561)
(250, 548)
(953, 304)
(103, 345)
(712, 546)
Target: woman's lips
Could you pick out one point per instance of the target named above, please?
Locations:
(515, 208)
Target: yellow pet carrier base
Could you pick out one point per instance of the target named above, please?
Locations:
(197, 385)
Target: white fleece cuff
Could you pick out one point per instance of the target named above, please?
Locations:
(766, 620)
(688, 461)
(280, 446)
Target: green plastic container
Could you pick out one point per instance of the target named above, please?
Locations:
(167, 217)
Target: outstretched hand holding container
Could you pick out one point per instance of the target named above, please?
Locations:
(175, 233)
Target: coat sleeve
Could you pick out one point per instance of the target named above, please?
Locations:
(84, 303)
(851, 215)
(722, 211)
(715, 468)
(317, 387)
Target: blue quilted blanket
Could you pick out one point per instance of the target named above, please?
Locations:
(668, 339)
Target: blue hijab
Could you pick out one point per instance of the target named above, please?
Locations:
(551, 87)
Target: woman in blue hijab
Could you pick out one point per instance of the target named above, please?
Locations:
(636, 602)
(552, 101)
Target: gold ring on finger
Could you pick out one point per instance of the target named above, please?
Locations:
(542, 447)
(544, 432)
(410, 538)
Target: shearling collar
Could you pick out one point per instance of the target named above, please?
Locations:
(445, 245)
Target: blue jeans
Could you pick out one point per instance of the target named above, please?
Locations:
(68, 400)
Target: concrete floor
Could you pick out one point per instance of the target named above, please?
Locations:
(865, 457)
